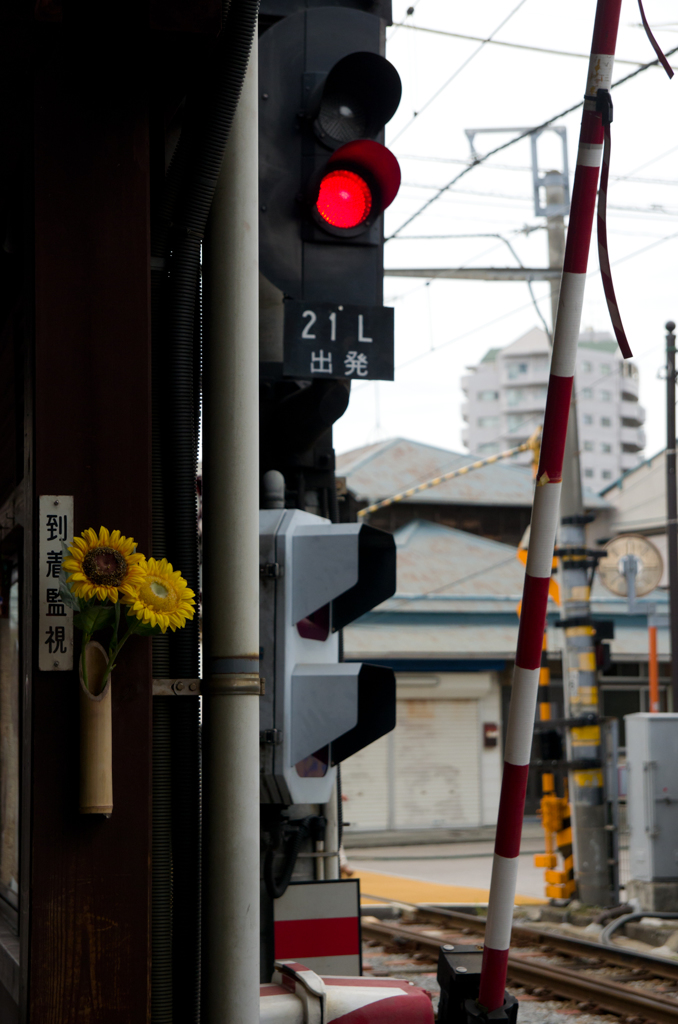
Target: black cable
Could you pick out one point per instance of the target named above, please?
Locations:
(340, 811)
(297, 831)
(161, 893)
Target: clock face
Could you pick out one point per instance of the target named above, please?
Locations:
(649, 561)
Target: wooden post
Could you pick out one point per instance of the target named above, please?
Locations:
(87, 950)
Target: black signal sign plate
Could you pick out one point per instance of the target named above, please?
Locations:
(326, 340)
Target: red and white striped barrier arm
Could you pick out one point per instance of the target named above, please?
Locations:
(296, 994)
(545, 516)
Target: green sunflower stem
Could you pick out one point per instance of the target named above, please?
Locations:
(85, 640)
(116, 630)
(131, 624)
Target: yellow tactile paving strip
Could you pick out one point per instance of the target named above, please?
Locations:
(410, 890)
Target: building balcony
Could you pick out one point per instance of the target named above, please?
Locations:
(536, 374)
(528, 407)
(632, 439)
(629, 460)
(524, 399)
(629, 388)
(632, 412)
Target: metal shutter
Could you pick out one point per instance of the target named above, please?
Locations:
(436, 746)
(364, 784)
(437, 757)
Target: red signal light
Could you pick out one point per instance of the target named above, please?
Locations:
(344, 199)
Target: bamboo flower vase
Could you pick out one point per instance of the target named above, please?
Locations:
(96, 752)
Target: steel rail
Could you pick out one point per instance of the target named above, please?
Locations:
(570, 945)
(606, 993)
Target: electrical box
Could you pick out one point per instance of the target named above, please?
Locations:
(652, 795)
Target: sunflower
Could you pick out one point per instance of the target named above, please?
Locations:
(163, 599)
(103, 566)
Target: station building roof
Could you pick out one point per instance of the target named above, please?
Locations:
(381, 470)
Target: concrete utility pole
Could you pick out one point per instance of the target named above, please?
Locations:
(580, 690)
(230, 960)
(672, 501)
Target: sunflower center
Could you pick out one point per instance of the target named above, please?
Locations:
(159, 594)
(104, 566)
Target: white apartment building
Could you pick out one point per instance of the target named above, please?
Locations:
(505, 395)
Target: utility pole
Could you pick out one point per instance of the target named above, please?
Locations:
(671, 501)
(580, 690)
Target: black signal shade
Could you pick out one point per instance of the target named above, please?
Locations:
(360, 95)
(356, 184)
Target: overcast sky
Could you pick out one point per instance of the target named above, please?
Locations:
(444, 326)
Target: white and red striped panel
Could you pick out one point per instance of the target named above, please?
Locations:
(545, 517)
(318, 923)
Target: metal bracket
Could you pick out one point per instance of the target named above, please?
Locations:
(271, 737)
(176, 687)
(236, 684)
(271, 570)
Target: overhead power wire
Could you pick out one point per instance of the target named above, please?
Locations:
(458, 71)
(461, 579)
(501, 42)
(505, 145)
(624, 177)
(656, 208)
(519, 309)
(403, 24)
(522, 168)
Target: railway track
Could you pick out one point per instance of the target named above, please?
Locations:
(576, 981)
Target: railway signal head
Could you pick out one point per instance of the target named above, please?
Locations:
(325, 178)
(317, 577)
(326, 93)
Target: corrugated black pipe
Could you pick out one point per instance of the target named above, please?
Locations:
(175, 286)
(161, 898)
(177, 414)
(186, 828)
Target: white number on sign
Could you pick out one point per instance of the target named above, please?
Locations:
(306, 333)
(333, 326)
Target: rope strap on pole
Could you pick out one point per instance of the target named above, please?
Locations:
(605, 108)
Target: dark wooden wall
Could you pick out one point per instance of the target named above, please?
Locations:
(90, 877)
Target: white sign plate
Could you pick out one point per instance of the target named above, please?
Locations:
(56, 619)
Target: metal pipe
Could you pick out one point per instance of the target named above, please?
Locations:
(672, 501)
(330, 810)
(231, 581)
(653, 669)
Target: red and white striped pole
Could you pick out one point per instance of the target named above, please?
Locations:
(545, 514)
